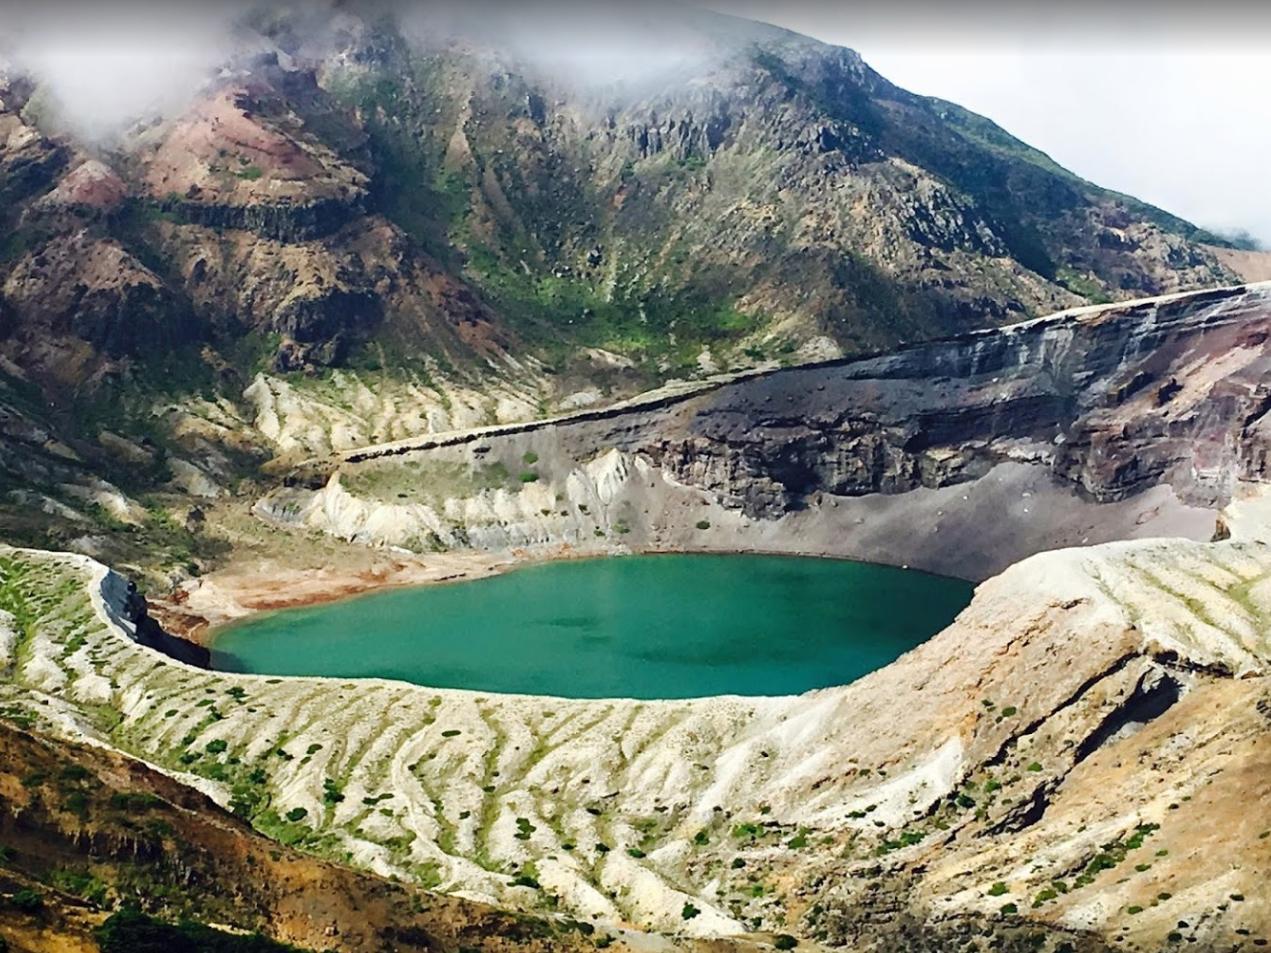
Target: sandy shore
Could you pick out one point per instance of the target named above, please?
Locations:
(198, 607)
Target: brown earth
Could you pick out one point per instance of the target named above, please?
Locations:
(77, 815)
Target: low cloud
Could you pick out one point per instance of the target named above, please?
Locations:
(102, 66)
(588, 44)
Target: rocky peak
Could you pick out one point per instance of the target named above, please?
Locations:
(90, 185)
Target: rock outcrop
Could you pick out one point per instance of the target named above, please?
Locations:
(1112, 400)
(959, 456)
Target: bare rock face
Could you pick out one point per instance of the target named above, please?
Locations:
(1111, 401)
(28, 160)
(91, 289)
(90, 185)
(241, 159)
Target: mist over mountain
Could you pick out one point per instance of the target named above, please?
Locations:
(593, 163)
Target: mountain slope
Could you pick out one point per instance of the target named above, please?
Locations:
(779, 175)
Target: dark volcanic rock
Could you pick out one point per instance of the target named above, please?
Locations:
(1113, 402)
(284, 221)
(149, 633)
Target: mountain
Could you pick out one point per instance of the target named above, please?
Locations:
(378, 193)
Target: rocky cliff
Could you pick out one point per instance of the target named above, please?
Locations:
(961, 455)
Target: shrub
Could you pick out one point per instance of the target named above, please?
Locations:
(130, 931)
(1009, 908)
(1045, 895)
(530, 458)
(217, 746)
(28, 901)
(529, 476)
(1035, 766)
(134, 800)
(77, 803)
(703, 524)
(689, 912)
(81, 884)
(784, 941)
(297, 814)
(998, 889)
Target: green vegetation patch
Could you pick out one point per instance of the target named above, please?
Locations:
(130, 931)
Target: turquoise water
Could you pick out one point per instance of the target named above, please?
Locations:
(674, 626)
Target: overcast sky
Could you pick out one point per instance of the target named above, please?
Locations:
(1170, 104)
